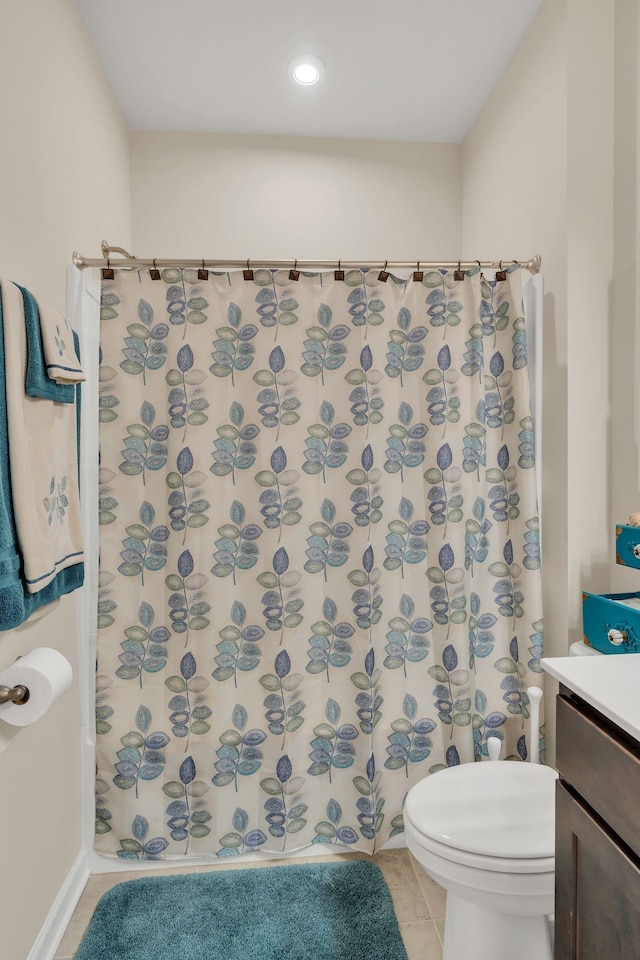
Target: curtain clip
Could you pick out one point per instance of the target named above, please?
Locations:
(458, 274)
(202, 273)
(107, 272)
(294, 273)
(383, 275)
(339, 273)
(500, 273)
(418, 274)
(154, 273)
(248, 273)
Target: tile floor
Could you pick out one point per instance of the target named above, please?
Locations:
(419, 902)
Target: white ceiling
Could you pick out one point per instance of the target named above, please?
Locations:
(399, 70)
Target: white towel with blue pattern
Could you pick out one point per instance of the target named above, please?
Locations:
(43, 461)
(61, 362)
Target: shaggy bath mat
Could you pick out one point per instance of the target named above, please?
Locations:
(332, 911)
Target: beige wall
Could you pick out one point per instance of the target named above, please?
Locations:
(228, 196)
(624, 460)
(590, 247)
(64, 183)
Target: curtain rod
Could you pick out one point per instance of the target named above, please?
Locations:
(128, 261)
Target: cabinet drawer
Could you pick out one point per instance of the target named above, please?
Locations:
(628, 545)
(609, 624)
(602, 768)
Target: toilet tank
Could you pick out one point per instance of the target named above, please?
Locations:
(581, 649)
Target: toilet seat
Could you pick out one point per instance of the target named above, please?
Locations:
(483, 813)
(477, 861)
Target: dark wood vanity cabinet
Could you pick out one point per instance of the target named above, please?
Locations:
(597, 913)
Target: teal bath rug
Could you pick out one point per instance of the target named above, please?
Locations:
(332, 911)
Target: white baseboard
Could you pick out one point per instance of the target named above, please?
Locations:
(53, 928)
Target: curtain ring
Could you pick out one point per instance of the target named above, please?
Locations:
(248, 273)
(501, 273)
(107, 272)
(480, 269)
(383, 275)
(458, 274)
(154, 273)
(294, 274)
(418, 274)
(202, 273)
(339, 273)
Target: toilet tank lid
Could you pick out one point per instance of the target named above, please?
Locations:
(496, 809)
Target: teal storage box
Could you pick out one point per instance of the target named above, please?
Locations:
(610, 626)
(628, 545)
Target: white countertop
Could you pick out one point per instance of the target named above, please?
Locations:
(611, 684)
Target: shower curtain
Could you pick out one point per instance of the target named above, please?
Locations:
(319, 552)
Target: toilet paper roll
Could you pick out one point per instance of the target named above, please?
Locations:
(46, 673)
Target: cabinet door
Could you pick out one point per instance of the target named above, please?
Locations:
(597, 888)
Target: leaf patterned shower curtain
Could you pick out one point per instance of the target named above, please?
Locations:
(319, 552)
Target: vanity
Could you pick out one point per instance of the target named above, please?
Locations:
(597, 914)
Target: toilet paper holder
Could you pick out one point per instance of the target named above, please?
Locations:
(18, 694)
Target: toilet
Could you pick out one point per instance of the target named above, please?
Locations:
(486, 833)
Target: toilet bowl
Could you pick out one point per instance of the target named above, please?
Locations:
(485, 832)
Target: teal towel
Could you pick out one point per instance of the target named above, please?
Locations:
(38, 383)
(16, 603)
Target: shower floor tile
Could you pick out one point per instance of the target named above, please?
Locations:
(417, 900)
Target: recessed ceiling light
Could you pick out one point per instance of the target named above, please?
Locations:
(306, 70)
